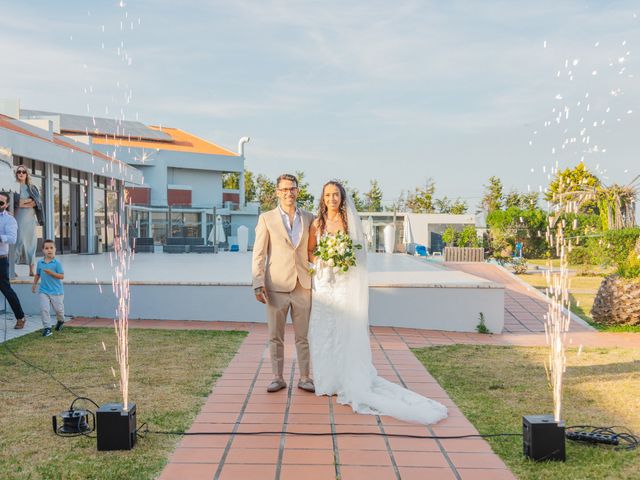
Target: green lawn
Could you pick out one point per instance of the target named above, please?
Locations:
(171, 373)
(582, 293)
(496, 386)
(589, 270)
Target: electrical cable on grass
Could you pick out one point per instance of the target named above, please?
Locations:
(627, 439)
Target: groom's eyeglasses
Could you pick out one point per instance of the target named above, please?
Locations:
(290, 190)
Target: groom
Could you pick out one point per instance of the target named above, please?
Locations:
(281, 278)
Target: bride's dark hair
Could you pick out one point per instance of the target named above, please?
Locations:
(342, 209)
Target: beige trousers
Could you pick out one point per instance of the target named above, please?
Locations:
(278, 305)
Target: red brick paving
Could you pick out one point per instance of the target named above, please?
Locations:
(524, 308)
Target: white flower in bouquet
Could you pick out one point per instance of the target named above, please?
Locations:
(337, 251)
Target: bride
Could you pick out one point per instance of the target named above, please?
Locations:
(339, 326)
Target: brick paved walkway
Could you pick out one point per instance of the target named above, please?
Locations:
(524, 308)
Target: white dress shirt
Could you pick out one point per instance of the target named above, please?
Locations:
(293, 230)
(8, 232)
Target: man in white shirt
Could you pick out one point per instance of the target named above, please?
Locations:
(281, 278)
(8, 236)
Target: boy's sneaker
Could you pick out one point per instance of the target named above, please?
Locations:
(59, 325)
(46, 332)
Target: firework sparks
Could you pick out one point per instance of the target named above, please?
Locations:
(120, 284)
(558, 319)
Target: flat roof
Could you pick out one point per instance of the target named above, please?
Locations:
(181, 141)
(90, 125)
(58, 149)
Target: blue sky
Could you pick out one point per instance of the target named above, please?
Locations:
(394, 91)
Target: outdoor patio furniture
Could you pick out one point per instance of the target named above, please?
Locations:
(234, 248)
(202, 249)
(143, 245)
(182, 244)
(421, 250)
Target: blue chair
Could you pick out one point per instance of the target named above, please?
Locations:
(234, 248)
(421, 250)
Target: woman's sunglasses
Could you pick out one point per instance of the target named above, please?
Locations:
(2, 203)
(21, 172)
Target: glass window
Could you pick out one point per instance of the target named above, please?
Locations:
(38, 183)
(65, 220)
(159, 226)
(56, 214)
(100, 218)
(112, 217)
(38, 168)
(82, 222)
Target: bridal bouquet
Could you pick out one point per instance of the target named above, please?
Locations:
(337, 251)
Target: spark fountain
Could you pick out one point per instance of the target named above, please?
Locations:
(544, 435)
(116, 422)
(579, 117)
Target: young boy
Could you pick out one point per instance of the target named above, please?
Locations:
(50, 270)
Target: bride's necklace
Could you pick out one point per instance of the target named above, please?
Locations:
(335, 220)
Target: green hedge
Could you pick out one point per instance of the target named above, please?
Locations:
(618, 245)
(580, 255)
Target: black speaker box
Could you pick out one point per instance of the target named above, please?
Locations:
(115, 427)
(543, 438)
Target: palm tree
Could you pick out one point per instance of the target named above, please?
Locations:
(617, 205)
(618, 299)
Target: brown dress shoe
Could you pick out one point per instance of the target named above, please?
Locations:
(20, 323)
(276, 386)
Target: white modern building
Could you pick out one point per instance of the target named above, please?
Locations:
(182, 191)
(426, 228)
(81, 187)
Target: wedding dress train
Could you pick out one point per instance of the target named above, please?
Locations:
(340, 348)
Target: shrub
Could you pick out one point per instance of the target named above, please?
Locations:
(450, 236)
(618, 245)
(482, 327)
(520, 266)
(468, 237)
(579, 256)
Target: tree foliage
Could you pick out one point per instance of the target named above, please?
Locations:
(266, 192)
(506, 227)
(231, 181)
(454, 207)
(373, 202)
(492, 198)
(421, 199)
(617, 206)
(305, 199)
(524, 201)
(576, 186)
(468, 237)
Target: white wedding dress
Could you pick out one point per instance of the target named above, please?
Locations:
(340, 348)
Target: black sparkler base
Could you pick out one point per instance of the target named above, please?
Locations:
(115, 427)
(543, 438)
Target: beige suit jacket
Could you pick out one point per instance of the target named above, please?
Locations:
(278, 264)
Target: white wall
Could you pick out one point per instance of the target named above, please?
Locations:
(206, 186)
(420, 224)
